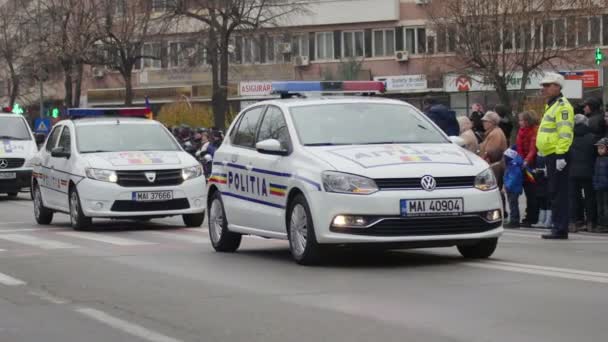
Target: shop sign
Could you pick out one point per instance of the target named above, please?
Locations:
(404, 83)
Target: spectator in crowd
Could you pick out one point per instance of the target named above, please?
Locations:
(494, 137)
(526, 148)
(475, 117)
(494, 157)
(600, 185)
(582, 157)
(513, 184)
(466, 133)
(506, 121)
(442, 116)
(593, 110)
(542, 194)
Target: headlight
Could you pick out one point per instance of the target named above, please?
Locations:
(486, 181)
(192, 172)
(348, 184)
(102, 175)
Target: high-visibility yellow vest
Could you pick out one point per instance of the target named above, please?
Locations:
(556, 130)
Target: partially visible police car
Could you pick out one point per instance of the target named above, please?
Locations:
(106, 163)
(17, 148)
(328, 172)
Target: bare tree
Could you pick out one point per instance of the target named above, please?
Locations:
(14, 40)
(222, 18)
(503, 39)
(126, 26)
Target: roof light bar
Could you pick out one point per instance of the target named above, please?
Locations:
(121, 112)
(328, 87)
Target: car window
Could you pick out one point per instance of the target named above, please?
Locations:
(65, 140)
(52, 140)
(118, 137)
(273, 126)
(246, 132)
(14, 128)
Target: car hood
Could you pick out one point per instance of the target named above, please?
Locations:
(401, 160)
(17, 148)
(139, 160)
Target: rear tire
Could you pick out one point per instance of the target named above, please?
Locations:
(77, 218)
(481, 250)
(41, 213)
(194, 220)
(221, 238)
(303, 244)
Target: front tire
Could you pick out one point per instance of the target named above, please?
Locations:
(303, 244)
(221, 238)
(481, 250)
(41, 213)
(77, 218)
(193, 220)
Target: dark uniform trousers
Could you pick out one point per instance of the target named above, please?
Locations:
(558, 194)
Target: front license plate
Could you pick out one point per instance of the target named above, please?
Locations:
(8, 175)
(432, 207)
(149, 196)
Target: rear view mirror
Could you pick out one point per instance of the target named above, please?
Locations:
(40, 138)
(271, 146)
(59, 152)
(457, 140)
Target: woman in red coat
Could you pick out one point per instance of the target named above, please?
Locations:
(526, 148)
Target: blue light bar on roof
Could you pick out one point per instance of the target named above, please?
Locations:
(328, 86)
(124, 112)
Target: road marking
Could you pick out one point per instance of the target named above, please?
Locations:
(556, 272)
(181, 237)
(10, 223)
(20, 204)
(118, 241)
(48, 297)
(127, 327)
(10, 281)
(196, 230)
(573, 236)
(21, 230)
(37, 242)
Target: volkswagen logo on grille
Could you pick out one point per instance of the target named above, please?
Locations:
(3, 163)
(151, 176)
(428, 183)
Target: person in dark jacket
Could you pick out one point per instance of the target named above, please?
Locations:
(582, 159)
(593, 110)
(442, 116)
(476, 115)
(542, 194)
(600, 185)
(506, 120)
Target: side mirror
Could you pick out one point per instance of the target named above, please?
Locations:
(59, 152)
(271, 146)
(40, 138)
(457, 140)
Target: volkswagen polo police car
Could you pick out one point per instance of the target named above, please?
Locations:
(106, 163)
(17, 148)
(328, 172)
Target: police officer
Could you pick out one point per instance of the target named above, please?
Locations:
(553, 141)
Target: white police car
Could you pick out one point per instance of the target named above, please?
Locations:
(115, 167)
(17, 148)
(329, 172)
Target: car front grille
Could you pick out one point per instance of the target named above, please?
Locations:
(414, 183)
(424, 226)
(139, 179)
(12, 163)
(130, 206)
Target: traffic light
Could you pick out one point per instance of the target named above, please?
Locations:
(55, 113)
(599, 56)
(17, 109)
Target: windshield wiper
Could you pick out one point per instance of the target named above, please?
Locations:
(326, 144)
(11, 137)
(96, 151)
(388, 143)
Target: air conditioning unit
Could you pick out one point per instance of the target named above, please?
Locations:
(402, 56)
(99, 72)
(285, 48)
(422, 2)
(301, 61)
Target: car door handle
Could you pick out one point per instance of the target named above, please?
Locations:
(234, 158)
(249, 167)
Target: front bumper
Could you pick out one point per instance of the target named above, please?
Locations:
(103, 199)
(23, 180)
(391, 228)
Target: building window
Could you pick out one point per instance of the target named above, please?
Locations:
(415, 40)
(183, 54)
(250, 50)
(353, 44)
(120, 7)
(595, 30)
(299, 45)
(384, 43)
(324, 45)
(548, 34)
(159, 5)
(559, 30)
(152, 55)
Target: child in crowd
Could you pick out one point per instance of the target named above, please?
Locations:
(513, 182)
(544, 203)
(493, 157)
(600, 184)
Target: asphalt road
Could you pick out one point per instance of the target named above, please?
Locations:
(160, 282)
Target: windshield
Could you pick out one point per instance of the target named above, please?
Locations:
(14, 128)
(362, 123)
(123, 137)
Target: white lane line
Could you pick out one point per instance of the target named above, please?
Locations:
(196, 230)
(48, 297)
(113, 240)
(37, 242)
(181, 237)
(21, 230)
(10, 281)
(11, 223)
(556, 272)
(127, 327)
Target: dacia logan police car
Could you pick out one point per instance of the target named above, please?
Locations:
(115, 167)
(344, 171)
(17, 148)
